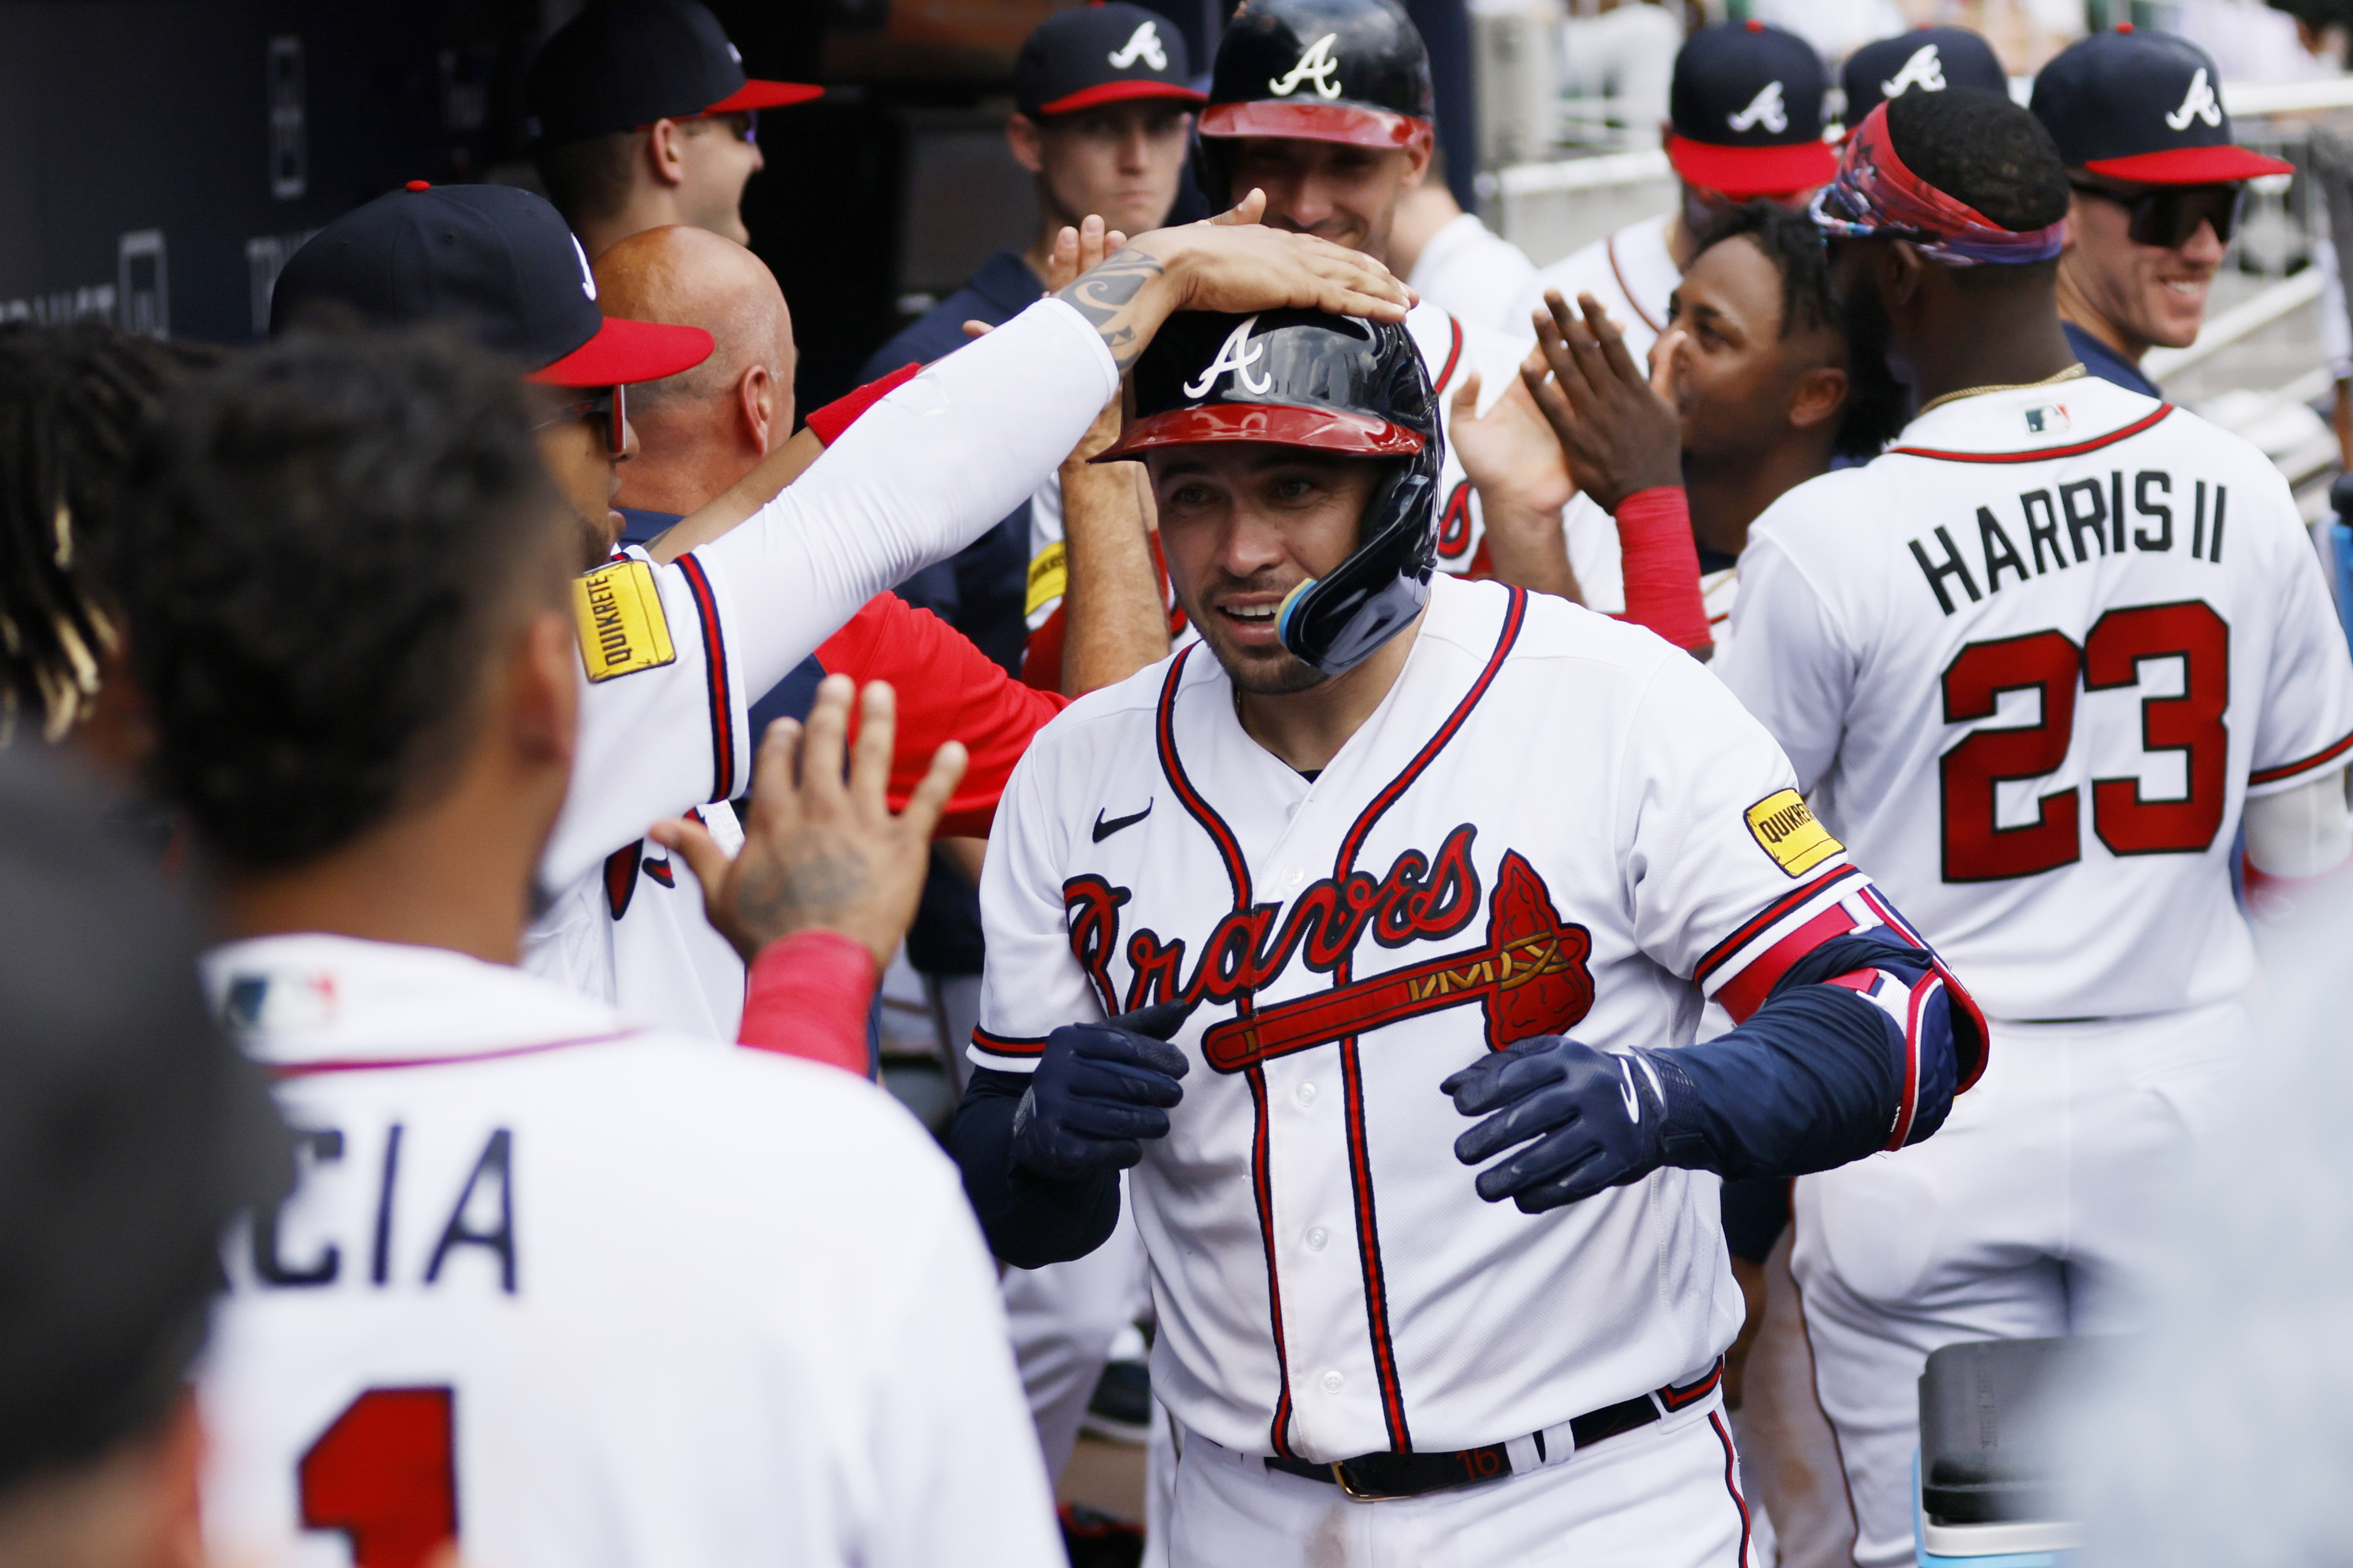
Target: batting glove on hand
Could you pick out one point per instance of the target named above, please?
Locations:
(1598, 1120)
(1099, 1092)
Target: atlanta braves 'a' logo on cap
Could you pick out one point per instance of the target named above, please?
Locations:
(1144, 44)
(1315, 65)
(1236, 354)
(1924, 70)
(1765, 108)
(2198, 103)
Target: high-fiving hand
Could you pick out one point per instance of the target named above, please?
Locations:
(1618, 427)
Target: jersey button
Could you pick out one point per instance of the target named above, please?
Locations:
(1316, 1236)
(1294, 877)
(1333, 1382)
(1305, 1094)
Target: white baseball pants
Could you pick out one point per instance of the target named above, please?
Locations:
(1063, 1318)
(1665, 1496)
(2033, 1213)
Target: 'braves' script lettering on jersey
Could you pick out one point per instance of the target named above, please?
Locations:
(2070, 524)
(481, 1214)
(1529, 974)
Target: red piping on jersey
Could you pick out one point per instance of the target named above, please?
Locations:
(1453, 358)
(1746, 991)
(1164, 734)
(1610, 249)
(351, 1064)
(1008, 1045)
(714, 659)
(1778, 909)
(1360, 1165)
(2040, 453)
(2289, 770)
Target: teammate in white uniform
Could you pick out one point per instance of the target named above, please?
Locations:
(2033, 664)
(676, 654)
(1326, 106)
(1320, 826)
(570, 1290)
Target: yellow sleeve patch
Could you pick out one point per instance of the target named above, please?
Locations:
(1786, 829)
(1048, 576)
(622, 626)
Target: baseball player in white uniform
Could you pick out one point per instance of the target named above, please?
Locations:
(2037, 665)
(566, 1288)
(1308, 852)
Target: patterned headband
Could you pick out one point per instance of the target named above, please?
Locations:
(1873, 195)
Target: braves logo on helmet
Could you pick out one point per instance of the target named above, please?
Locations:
(1236, 355)
(1315, 65)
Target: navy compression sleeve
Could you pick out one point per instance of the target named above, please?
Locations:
(1030, 1220)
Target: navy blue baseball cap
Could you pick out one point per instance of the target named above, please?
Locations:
(621, 64)
(1109, 52)
(1925, 59)
(1745, 111)
(498, 260)
(2146, 108)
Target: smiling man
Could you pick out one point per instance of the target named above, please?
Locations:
(2157, 187)
(1317, 837)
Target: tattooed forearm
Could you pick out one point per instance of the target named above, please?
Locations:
(1104, 295)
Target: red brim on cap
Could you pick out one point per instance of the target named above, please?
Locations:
(624, 351)
(1313, 123)
(765, 95)
(1277, 425)
(1123, 92)
(2189, 167)
(1743, 171)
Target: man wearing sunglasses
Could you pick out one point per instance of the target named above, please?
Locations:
(2157, 187)
(643, 117)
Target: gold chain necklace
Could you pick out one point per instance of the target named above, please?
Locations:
(2070, 374)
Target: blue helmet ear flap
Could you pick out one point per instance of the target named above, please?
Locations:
(1335, 621)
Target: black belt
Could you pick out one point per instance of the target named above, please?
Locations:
(1371, 1477)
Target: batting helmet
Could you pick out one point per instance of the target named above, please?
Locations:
(1317, 70)
(1341, 384)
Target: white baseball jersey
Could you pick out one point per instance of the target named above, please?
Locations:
(1630, 272)
(1553, 823)
(584, 1294)
(675, 656)
(1470, 270)
(1451, 349)
(2030, 664)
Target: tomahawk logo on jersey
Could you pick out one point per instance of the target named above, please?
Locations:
(2121, 633)
(1357, 937)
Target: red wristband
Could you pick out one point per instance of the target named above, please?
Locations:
(1661, 567)
(808, 996)
(831, 420)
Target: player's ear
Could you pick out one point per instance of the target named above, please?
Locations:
(666, 152)
(1022, 135)
(1817, 397)
(1901, 269)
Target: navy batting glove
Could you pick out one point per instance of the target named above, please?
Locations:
(1597, 1119)
(1099, 1092)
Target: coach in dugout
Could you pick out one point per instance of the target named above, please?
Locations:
(642, 116)
(2157, 189)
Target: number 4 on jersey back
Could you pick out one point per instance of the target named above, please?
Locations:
(1976, 848)
(385, 1472)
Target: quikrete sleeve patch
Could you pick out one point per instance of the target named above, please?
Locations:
(1047, 573)
(1786, 829)
(622, 626)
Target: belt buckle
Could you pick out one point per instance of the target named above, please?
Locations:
(1340, 1477)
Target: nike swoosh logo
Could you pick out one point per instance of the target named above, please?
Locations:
(1105, 829)
(1626, 1089)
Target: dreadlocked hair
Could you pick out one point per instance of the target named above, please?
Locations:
(1794, 246)
(73, 401)
(321, 542)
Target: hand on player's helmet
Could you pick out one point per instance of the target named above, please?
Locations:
(1588, 1119)
(1099, 1092)
(1234, 263)
(1618, 427)
(822, 852)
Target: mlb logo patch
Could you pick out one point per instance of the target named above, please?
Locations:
(2051, 419)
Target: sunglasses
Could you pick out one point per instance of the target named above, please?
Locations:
(609, 406)
(2170, 216)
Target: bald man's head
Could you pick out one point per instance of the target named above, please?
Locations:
(729, 410)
